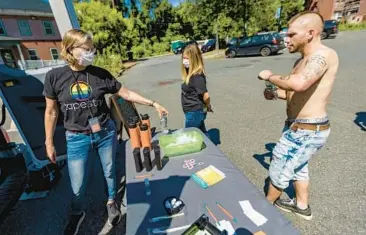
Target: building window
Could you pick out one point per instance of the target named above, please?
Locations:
(48, 28)
(24, 28)
(2, 28)
(33, 54)
(54, 53)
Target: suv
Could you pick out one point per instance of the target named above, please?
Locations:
(263, 44)
(209, 45)
(330, 29)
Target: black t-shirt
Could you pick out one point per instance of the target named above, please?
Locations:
(192, 94)
(79, 102)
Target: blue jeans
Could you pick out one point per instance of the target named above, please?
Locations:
(196, 119)
(292, 153)
(79, 147)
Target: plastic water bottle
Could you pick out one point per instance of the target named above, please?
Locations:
(272, 87)
(164, 124)
(147, 187)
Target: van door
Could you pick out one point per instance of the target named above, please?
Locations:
(244, 46)
(22, 95)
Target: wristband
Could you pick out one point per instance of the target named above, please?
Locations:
(152, 104)
(270, 77)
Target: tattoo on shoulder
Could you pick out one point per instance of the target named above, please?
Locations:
(297, 62)
(314, 67)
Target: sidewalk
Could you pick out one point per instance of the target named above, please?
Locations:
(213, 54)
(127, 65)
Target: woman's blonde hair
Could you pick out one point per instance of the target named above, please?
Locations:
(196, 65)
(73, 38)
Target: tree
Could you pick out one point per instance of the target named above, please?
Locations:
(148, 26)
(106, 24)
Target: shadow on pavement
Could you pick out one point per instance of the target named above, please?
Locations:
(214, 135)
(243, 231)
(53, 210)
(261, 158)
(135, 60)
(360, 120)
(96, 220)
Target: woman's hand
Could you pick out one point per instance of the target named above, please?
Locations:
(51, 152)
(161, 110)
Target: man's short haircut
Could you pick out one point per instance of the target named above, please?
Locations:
(303, 13)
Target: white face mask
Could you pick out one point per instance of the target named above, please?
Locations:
(186, 63)
(86, 58)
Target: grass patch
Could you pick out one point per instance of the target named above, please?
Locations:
(214, 54)
(352, 27)
(109, 61)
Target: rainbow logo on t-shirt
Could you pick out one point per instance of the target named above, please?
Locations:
(80, 92)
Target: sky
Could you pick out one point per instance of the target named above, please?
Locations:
(174, 2)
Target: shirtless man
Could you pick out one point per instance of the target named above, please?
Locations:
(306, 91)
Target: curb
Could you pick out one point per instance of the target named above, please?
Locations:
(125, 69)
(156, 56)
(215, 55)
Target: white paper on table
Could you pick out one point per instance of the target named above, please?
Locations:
(226, 225)
(252, 214)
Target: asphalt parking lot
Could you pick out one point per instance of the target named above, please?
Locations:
(248, 126)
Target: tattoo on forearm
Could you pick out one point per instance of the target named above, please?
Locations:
(314, 67)
(285, 77)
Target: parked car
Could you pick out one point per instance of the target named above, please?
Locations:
(330, 29)
(177, 46)
(201, 43)
(13, 171)
(191, 42)
(234, 41)
(263, 44)
(283, 32)
(209, 45)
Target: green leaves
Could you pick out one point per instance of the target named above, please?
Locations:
(106, 24)
(147, 27)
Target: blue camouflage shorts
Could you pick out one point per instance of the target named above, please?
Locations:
(292, 154)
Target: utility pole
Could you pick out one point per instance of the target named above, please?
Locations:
(245, 17)
(279, 18)
(217, 37)
(65, 15)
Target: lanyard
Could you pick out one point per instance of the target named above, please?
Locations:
(80, 92)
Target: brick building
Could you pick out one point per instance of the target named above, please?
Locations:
(29, 36)
(352, 11)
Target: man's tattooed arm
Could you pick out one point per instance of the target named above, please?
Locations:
(315, 67)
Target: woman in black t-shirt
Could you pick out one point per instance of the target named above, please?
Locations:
(79, 89)
(195, 97)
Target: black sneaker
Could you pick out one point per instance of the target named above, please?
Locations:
(289, 205)
(114, 214)
(75, 221)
